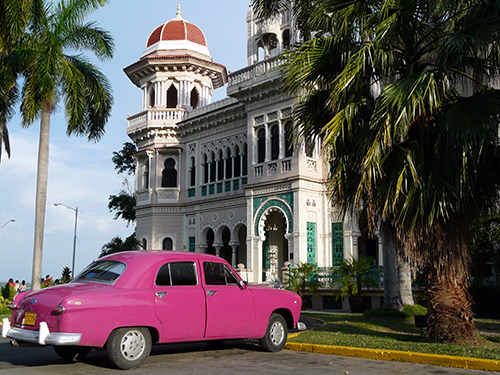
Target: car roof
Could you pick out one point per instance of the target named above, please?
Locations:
(157, 255)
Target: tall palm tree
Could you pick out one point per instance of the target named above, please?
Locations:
(410, 123)
(52, 75)
(310, 72)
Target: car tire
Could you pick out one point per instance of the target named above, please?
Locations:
(276, 334)
(128, 347)
(72, 353)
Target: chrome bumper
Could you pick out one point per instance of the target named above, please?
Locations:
(40, 337)
(301, 326)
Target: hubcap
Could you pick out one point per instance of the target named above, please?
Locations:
(132, 345)
(277, 333)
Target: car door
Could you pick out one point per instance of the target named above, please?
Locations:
(180, 302)
(230, 307)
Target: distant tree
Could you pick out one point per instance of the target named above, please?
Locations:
(124, 160)
(116, 245)
(123, 203)
(485, 248)
(65, 275)
(123, 206)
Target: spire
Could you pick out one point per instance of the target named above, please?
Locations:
(179, 14)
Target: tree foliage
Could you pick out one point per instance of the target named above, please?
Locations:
(117, 245)
(401, 95)
(124, 159)
(41, 45)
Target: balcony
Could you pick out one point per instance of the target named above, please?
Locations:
(155, 118)
(253, 74)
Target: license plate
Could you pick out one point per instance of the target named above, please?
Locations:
(29, 319)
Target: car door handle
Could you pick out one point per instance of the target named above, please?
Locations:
(161, 294)
(211, 292)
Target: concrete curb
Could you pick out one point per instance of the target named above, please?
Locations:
(395, 355)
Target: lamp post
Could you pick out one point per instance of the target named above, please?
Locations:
(74, 236)
(11, 220)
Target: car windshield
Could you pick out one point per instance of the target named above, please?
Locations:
(107, 271)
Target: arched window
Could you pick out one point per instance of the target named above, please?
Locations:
(309, 147)
(237, 162)
(145, 175)
(168, 244)
(144, 244)
(288, 139)
(275, 142)
(152, 98)
(195, 97)
(205, 169)
(220, 167)
(286, 38)
(192, 177)
(261, 145)
(213, 169)
(172, 97)
(245, 160)
(169, 174)
(229, 164)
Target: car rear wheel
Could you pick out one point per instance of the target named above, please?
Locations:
(72, 353)
(276, 334)
(129, 347)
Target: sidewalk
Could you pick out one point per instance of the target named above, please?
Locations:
(390, 355)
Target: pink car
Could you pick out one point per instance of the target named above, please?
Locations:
(128, 301)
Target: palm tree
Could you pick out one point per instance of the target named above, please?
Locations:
(51, 75)
(117, 245)
(310, 71)
(410, 123)
(303, 277)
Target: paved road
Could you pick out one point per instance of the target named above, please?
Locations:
(238, 357)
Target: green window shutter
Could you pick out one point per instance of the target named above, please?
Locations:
(337, 242)
(311, 243)
(192, 244)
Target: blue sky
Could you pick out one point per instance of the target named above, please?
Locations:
(81, 174)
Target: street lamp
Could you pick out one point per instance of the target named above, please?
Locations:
(74, 237)
(11, 220)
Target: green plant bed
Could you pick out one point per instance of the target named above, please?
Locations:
(390, 330)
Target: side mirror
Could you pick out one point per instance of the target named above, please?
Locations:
(243, 284)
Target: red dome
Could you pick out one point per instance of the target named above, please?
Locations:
(177, 29)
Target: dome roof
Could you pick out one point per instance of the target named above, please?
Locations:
(177, 33)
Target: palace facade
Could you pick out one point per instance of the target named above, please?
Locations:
(223, 177)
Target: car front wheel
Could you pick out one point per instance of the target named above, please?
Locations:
(129, 347)
(276, 334)
(72, 353)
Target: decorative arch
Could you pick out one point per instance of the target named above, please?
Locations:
(172, 96)
(268, 207)
(151, 96)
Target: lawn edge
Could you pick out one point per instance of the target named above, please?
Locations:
(396, 355)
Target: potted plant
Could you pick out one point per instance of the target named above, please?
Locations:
(303, 277)
(350, 276)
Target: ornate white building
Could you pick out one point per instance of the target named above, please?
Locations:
(223, 177)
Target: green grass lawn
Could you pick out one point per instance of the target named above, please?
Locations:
(392, 330)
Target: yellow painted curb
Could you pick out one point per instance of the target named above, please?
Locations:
(395, 355)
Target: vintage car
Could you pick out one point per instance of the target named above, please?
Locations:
(126, 302)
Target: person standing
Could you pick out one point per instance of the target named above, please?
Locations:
(23, 287)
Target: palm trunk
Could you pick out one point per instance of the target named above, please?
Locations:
(392, 294)
(405, 279)
(449, 310)
(41, 195)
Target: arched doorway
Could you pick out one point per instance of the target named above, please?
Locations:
(275, 245)
(210, 242)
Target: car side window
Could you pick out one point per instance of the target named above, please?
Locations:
(177, 274)
(218, 274)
